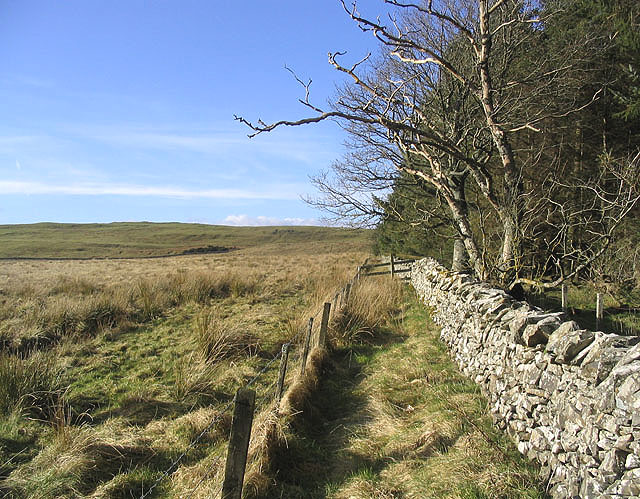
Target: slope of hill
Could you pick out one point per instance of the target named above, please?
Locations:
(146, 239)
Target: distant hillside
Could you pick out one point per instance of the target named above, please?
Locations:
(145, 239)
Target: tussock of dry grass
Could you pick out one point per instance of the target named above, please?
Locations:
(371, 304)
(64, 468)
(271, 429)
(39, 305)
(216, 338)
(72, 285)
(267, 439)
(33, 384)
(322, 286)
(199, 479)
(71, 309)
(297, 396)
(194, 377)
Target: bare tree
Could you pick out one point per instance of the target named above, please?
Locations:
(375, 163)
(577, 219)
(448, 102)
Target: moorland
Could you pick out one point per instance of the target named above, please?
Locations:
(112, 365)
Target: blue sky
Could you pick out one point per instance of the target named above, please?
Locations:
(123, 109)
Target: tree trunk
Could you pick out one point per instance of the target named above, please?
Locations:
(511, 211)
(464, 227)
(460, 260)
(509, 246)
(454, 195)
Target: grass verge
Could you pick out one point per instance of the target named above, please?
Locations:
(392, 416)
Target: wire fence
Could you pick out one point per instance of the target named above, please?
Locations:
(166, 473)
(296, 350)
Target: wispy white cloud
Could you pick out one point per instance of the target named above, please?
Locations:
(28, 80)
(91, 189)
(10, 142)
(205, 143)
(247, 220)
(300, 147)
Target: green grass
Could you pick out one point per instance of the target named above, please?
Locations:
(133, 402)
(393, 417)
(621, 316)
(144, 239)
(106, 376)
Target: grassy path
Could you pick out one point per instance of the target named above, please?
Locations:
(394, 418)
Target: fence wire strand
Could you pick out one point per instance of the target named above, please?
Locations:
(192, 444)
(206, 475)
(269, 395)
(165, 474)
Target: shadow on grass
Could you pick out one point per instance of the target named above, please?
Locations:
(142, 411)
(138, 410)
(586, 318)
(317, 459)
(15, 450)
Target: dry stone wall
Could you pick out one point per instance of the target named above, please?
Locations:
(570, 398)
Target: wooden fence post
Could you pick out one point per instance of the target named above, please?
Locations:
(393, 270)
(565, 296)
(238, 444)
(322, 334)
(307, 343)
(347, 292)
(284, 358)
(599, 309)
(334, 305)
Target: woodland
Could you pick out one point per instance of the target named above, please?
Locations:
(500, 135)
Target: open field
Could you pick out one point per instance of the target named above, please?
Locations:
(111, 369)
(145, 239)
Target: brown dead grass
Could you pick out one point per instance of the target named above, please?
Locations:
(42, 301)
(231, 306)
(371, 304)
(298, 395)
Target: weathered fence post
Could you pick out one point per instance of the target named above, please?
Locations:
(238, 444)
(393, 270)
(347, 292)
(599, 309)
(284, 358)
(565, 296)
(307, 343)
(322, 334)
